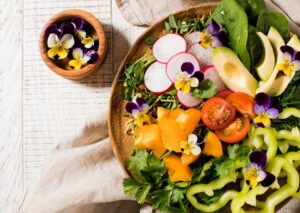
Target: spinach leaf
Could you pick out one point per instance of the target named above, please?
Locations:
(217, 15)
(278, 20)
(255, 7)
(236, 24)
(255, 48)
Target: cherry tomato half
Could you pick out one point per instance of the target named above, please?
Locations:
(236, 131)
(243, 103)
(217, 113)
(224, 93)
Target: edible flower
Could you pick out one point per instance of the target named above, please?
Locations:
(263, 110)
(59, 46)
(81, 58)
(213, 36)
(188, 77)
(255, 173)
(290, 60)
(192, 145)
(138, 109)
(88, 41)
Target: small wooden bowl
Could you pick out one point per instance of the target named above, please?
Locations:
(102, 49)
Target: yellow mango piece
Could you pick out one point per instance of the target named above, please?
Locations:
(176, 170)
(212, 146)
(188, 159)
(148, 137)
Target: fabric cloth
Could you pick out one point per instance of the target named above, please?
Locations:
(82, 175)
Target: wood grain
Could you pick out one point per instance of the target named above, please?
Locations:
(11, 148)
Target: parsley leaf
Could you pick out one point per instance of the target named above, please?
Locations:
(205, 89)
(138, 190)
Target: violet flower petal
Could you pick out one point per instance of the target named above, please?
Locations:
(259, 158)
(52, 29)
(213, 27)
(130, 106)
(199, 75)
(261, 175)
(188, 67)
(67, 28)
(296, 64)
(269, 179)
(94, 58)
(140, 102)
(78, 22)
(297, 56)
(258, 109)
(216, 41)
(272, 113)
(288, 51)
(263, 99)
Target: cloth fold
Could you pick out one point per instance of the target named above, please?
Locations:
(82, 175)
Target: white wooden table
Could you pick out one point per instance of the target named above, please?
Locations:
(38, 107)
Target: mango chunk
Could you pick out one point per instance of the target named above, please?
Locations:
(213, 146)
(171, 134)
(148, 137)
(188, 159)
(176, 170)
(189, 120)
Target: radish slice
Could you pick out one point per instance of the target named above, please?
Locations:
(156, 79)
(211, 73)
(192, 38)
(167, 46)
(202, 54)
(187, 100)
(174, 65)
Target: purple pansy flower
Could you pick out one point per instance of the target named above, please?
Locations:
(138, 109)
(255, 173)
(188, 77)
(213, 36)
(264, 110)
(290, 60)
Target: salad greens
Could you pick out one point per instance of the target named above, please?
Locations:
(229, 168)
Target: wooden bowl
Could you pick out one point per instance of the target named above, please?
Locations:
(122, 143)
(67, 72)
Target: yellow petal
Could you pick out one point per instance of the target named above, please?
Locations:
(88, 42)
(179, 84)
(52, 52)
(76, 64)
(77, 53)
(62, 53)
(186, 88)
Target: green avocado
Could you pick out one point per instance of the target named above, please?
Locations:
(233, 72)
(266, 66)
(276, 41)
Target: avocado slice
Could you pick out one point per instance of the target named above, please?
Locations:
(281, 83)
(276, 41)
(233, 72)
(266, 66)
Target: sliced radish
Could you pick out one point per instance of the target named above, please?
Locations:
(211, 73)
(202, 54)
(175, 64)
(187, 100)
(156, 79)
(192, 38)
(167, 46)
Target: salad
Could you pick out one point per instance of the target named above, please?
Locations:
(213, 109)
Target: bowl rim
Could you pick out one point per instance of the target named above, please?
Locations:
(97, 26)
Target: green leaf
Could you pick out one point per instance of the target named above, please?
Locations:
(278, 20)
(217, 15)
(206, 89)
(173, 22)
(237, 150)
(236, 24)
(150, 40)
(254, 47)
(168, 27)
(160, 199)
(223, 166)
(135, 189)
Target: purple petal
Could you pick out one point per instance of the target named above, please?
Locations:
(216, 41)
(258, 109)
(94, 57)
(297, 64)
(272, 113)
(259, 158)
(213, 27)
(269, 180)
(67, 28)
(130, 106)
(276, 106)
(188, 67)
(263, 99)
(140, 101)
(289, 51)
(297, 56)
(199, 75)
(52, 29)
(78, 22)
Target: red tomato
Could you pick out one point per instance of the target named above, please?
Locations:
(217, 113)
(236, 131)
(224, 93)
(243, 103)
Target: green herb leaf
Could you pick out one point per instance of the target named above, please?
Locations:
(223, 166)
(278, 20)
(135, 189)
(172, 22)
(206, 89)
(255, 48)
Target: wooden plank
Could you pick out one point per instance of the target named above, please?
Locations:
(11, 151)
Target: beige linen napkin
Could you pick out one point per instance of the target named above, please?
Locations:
(82, 175)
